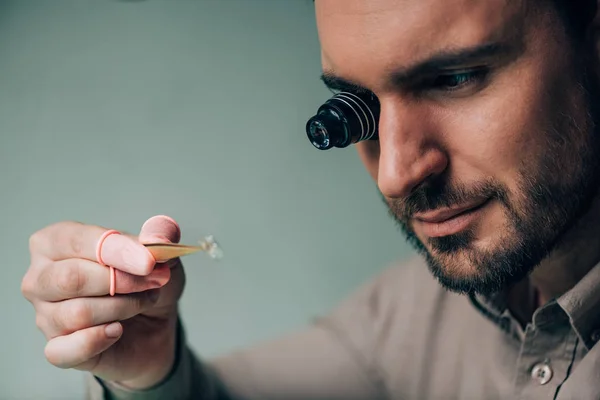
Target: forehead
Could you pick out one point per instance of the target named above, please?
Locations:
(372, 35)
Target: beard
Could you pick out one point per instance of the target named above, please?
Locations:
(554, 189)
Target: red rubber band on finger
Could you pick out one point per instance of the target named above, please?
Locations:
(101, 262)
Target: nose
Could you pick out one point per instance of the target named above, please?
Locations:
(410, 152)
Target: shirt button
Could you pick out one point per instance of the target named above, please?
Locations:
(542, 373)
(595, 336)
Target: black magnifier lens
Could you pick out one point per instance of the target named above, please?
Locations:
(318, 134)
(325, 131)
(343, 120)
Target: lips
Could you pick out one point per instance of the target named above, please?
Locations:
(449, 221)
(443, 215)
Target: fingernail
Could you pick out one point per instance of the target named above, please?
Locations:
(113, 330)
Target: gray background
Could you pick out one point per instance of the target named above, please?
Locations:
(114, 111)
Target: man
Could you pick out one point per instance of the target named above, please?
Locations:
(489, 159)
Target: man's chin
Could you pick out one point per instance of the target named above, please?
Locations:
(454, 270)
(468, 270)
(475, 262)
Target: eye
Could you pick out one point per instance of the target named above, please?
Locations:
(450, 82)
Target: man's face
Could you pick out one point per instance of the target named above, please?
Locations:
(487, 151)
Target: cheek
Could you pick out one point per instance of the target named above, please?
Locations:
(498, 135)
(487, 141)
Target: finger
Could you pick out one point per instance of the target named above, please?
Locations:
(160, 229)
(75, 277)
(66, 240)
(73, 315)
(127, 254)
(164, 229)
(169, 294)
(82, 349)
(172, 291)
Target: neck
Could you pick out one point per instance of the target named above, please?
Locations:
(577, 254)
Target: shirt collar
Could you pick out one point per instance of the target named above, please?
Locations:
(582, 305)
(494, 308)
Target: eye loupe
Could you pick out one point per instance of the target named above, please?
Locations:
(344, 119)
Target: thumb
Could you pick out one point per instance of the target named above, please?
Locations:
(160, 229)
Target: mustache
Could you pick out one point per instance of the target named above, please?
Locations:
(440, 193)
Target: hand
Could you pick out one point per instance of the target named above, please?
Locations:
(129, 338)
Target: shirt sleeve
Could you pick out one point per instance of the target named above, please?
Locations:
(331, 358)
(185, 381)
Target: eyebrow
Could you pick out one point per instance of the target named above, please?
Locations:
(437, 63)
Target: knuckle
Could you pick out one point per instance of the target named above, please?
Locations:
(40, 323)
(28, 285)
(37, 240)
(32, 283)
(76, 244)
(64, 234)
(71, 318)
(80, 315)
(70, 280)
(57, 322)
(68, 235)
(43, 237)
(44, 281)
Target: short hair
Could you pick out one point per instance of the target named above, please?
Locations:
(576, 14)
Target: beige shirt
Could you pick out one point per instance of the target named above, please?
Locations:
(402, 336)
